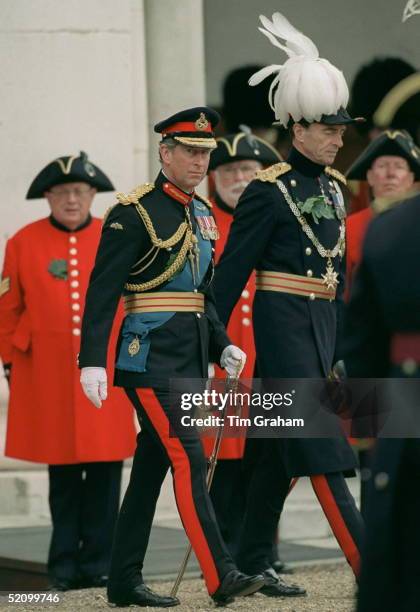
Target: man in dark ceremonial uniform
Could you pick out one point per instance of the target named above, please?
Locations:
(289, 225)
(157, 250)
(382, 339)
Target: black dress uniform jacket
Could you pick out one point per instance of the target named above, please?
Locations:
(385, 298)
(126, 241)
(295, 337)
(385, 301)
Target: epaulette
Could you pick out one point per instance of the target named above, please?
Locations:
(272, 173)
(135, 195)
(204, 200)
(336, 174)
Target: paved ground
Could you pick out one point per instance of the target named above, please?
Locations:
(330, 589)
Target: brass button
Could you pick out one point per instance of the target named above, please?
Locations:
(309, 273)
(75, 319)
(73, 261)
(75, 295)
(75, 306)
(73, 239)
(198, 315)
(74, 273)
(312, 296)
(76, 331)
(245, 293)
(246, 321)
(381, 480)
(74, 283)
(293, 183)
(73, 251)
(308, 251)
(245, 308)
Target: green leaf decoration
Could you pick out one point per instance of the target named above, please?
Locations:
(58, 268)
(318, 207)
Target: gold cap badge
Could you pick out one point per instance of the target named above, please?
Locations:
(201, 123)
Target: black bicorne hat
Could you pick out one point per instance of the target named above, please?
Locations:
(69, 169)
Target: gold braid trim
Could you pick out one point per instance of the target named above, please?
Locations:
(271, 173)
(336, 174)
(169, 272)
(158, 242)
(134, 196)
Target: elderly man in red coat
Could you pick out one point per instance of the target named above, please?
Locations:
(390, 165)
(42, 291)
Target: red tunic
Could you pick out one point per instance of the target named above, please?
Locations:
(49, 418)
(356, 227)
(239, 331)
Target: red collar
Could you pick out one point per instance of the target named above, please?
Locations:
(177, 194)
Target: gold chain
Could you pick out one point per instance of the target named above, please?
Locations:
(323, 252)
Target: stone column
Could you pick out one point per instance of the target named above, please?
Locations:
(175, 61)
(73, 77)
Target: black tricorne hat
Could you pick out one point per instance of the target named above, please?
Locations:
(391, 142)
(192, 127)
(69, 169)
(240, 146)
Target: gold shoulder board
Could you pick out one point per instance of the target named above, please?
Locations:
(336, 174)
(272, 173)
(135, 195)
(204, 200)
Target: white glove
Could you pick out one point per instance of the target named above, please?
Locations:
(211, 372)
(94, 383)
(233, 360)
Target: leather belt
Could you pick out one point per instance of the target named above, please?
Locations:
(295, 284)
(164, 301)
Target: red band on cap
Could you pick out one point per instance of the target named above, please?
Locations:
(186, 126)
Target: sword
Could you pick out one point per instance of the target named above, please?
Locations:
(230, 385)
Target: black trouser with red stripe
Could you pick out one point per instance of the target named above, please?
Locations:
(156, 451)
(267, 493)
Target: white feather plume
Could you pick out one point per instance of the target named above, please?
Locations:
(305, 86)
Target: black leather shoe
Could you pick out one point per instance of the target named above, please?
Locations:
(140, 595)
(236, 584)
(93, 582)
(274, 586)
